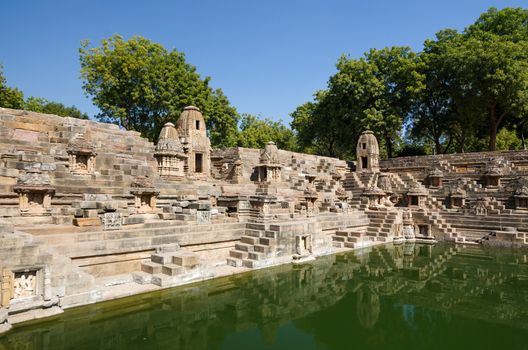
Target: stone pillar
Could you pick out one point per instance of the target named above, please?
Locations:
(6, 287)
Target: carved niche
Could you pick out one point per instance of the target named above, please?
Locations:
(145, 195)
(34, 193)
(81, 156)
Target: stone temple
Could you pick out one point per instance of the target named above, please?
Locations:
(90, 212)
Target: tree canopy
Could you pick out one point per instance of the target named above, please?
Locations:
(256, 132)
(42, 105)
(9, 97)
(466, 91)
(141, 85)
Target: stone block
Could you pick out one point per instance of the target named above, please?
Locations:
(82, 222)
(162, 258)
(183, 204)
(3, 315)
(185, 259)
(90, 213)
(8, 172)
(88, 205)
(172, 270)
(108, 205)
(200, 205)
(5, 180)
(151, 267)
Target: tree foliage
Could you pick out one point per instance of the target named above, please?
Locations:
(374, 92)
(9, 97)
(42, 105)
(466, 91)
(140, 85)
(256, 132)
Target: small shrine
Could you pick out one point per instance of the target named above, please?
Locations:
(434, 178)
(520, 197)
(34, 193)
(367, 152)
(145, 195)
(416, 196)
(170, 154)
(457, 197)
(81, 156)
(269, 167)
(493, 174)
(375, 196)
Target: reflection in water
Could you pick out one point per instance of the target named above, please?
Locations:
(407, 296)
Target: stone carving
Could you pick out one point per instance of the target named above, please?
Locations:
(375, 196)
(493, 173)
(480, 207)
(435, 176)
(269, 169)
(520, 192)
(81, 155)
(145, 194)
(34, 193)
(237, 172)
(112, 221)
(416, 196)
(6, 287)
(25, 284)
(170, 154)
(457, 193)
(384, 183)
(408, 225)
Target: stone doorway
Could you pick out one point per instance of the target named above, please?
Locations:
(198, 163)
(364, 162)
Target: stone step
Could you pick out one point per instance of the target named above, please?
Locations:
(172, 269)
(244, 247)
(234, 262)
(238, 254)
(262, 248)
(255, 256)
(249, 240)
(151, 267)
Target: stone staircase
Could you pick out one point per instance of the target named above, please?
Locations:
(350, 238)
(256, 245)
(381, 224)
(168, 268)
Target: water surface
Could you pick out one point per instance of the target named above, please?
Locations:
(393, 297)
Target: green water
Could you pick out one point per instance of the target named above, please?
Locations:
(402, 297)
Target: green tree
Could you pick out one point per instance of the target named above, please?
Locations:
(141, 86)
(42, 105)
(256, 132)
(492, 65)
(374, 92)
(9, 97)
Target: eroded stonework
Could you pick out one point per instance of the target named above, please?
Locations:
(89, 210)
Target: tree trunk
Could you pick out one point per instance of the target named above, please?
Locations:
(492, 129)
(388, 143)
(494, 123)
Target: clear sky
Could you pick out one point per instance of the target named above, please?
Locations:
(267, 56)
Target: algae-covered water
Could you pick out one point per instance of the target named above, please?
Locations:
(393, 297)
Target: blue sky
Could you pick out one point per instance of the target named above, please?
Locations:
(267, 56)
